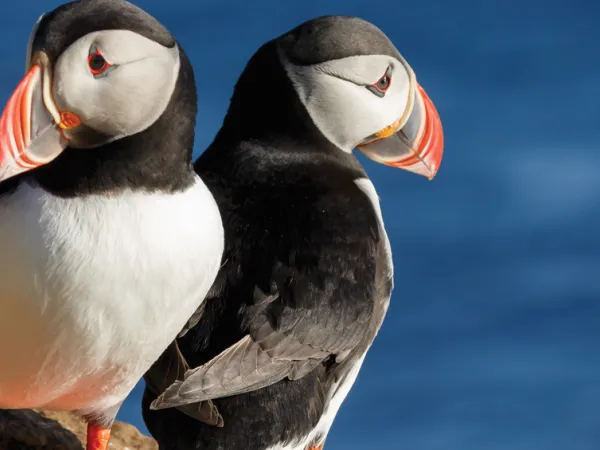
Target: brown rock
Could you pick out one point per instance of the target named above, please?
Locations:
(26, 429)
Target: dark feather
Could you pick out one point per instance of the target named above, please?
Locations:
(305, 282)
(169, 368)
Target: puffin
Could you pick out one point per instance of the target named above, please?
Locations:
(307, 269)
(109, 240)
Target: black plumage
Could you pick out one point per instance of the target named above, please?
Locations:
(305, 282)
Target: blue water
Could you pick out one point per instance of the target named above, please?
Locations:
(492, 339)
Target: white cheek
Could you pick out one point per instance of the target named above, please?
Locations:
(330, 103)
(393, 105)
(344, 112)
(129, 98)
(354, 111)
(73, 83)
(133, 96)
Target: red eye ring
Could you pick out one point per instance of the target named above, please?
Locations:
(97, 64)
(384, 83)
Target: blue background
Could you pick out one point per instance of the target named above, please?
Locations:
(493, 335)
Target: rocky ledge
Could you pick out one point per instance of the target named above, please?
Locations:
(48, 430)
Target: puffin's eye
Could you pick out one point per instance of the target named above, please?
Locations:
(382, 85)
(97, 64)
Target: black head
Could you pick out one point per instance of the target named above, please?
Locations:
(113, 101)
(329, 38)
(60, 28)
(338, 82)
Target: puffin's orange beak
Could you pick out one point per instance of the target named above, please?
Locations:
(31, 126)
(417, 146)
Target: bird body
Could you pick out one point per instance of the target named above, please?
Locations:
(307, 267)
(306, 252)
(108, 239)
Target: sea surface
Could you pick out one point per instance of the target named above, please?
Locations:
(493, 337)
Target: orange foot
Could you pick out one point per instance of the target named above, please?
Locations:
(320, 447)
(97, 437)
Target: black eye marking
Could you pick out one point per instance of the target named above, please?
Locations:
(382, 85)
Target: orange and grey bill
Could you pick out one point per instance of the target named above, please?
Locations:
(427, 157)
(416, 146)
(30, 136)
(15, 127)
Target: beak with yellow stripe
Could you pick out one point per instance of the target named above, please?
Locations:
(86, 89)
(414, 142)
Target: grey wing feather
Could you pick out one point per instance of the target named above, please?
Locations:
(241, 368)
(281, 346)
(170, 367)
(258, 360)
(248, 365)
(304, 334)
(303, 368)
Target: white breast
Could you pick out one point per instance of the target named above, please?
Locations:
(92, 289)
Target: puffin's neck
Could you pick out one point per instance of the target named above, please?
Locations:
(265, 108)
(156, 159)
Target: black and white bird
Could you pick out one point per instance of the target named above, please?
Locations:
(108, 239)
(307, 273)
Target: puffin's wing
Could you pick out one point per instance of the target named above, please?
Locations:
(172, 366)
(312, 315)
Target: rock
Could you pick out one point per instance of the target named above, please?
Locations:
(26, 429)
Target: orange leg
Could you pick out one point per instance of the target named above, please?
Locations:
(97, 437)
(320, 447)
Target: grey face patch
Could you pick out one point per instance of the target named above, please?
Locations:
(334, 37)
(336, 97)
(335, 64)
(119, 102)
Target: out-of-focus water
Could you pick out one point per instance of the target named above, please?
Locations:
(491, 342)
